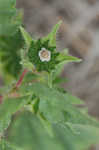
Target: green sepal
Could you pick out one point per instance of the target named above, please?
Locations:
(26, 36)
(65, 57)
(33, 55)
(52, 36)
(25, 61)
(49, 43)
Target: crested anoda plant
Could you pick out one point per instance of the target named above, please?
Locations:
(36, 113)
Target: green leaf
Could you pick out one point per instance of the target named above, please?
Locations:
(10, 47)
(51, 111)
(73, 99)
(11, 40)
(8, 4)
(76, 116)
(26, 36)
(4, 145)
(44, 92)
(46, 124)
(52, 36)
(34, 136)
(28, 133)
(24, 60)
(57, 106)
(10, 17)
(64, 57)
(59, 80)
(52, 102)
(4, 123)
(81, 139)
(8, 108)
(58, 70)
(30, 77)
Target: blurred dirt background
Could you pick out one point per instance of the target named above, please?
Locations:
(79, 33)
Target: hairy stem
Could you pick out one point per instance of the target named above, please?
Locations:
(1, 98)
(21, 78)
(50, 80)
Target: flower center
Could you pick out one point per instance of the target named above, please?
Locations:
(44, 55)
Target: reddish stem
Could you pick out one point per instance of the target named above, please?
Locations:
(21, 78)
(17, 84)
(1, 98)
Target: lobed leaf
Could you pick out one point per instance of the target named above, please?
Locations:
(34, 135)
(57, 106)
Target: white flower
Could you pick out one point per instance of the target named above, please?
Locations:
(44, 55)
